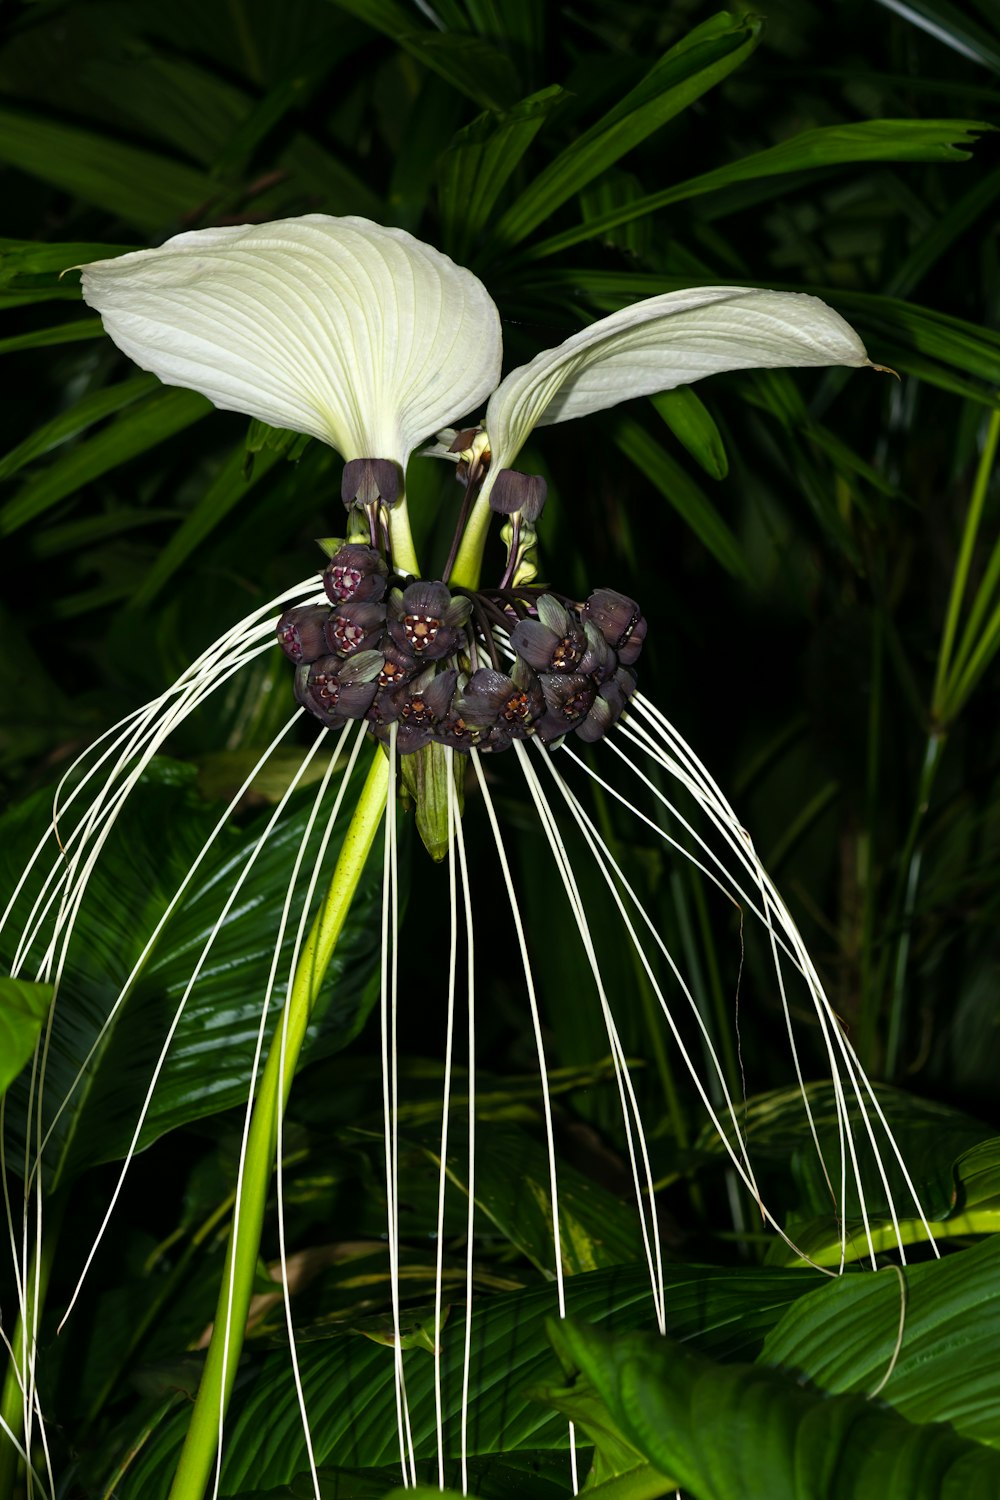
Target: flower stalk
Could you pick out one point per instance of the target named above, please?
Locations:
(201, 1443)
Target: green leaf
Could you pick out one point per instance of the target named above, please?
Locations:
(694, 65)
(830, 145)
(843, 1336)
(512, 1188)
(737, 1432)
(478, 164)
(61, 333)
(23, 1008)
(139, 187)
(350, 1395)
(473, 66)
(693, 425)
(680, 491)
(82, 414)
(946, 23)
(152, 420)
(511, 1476)
(153, 847)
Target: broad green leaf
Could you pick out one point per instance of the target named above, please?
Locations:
(470, 64)
(512, 1187)
(23, 1008)
(26, 259)
(510, 1476)
(739, 1432)
(830, 145)
(153, 848)
(82, 414)
(843, 1337)
(681, 491)
(349, 1391)
(154, 418)
(696, 64)
(692, 424)
(138, 186)
(479, 162)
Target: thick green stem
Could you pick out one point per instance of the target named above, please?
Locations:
(404, 556)
(199, 1453)
(18, 1366)
(469, 562)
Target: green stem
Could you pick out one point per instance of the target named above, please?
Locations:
(200, 1444)
(12, 1397)
(469, 562)
(404, 554)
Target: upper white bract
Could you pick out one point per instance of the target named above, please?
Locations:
(370, 340)
(359, 335)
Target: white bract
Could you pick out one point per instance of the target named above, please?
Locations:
(370, 340)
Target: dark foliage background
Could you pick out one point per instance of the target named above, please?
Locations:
(800, 542)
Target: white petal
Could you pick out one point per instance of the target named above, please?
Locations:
(661, 343)
(360, 335)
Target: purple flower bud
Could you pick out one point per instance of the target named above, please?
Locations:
(568, 700)
(368, 480)
(300, 632)
(513, 492)
(355, 627)
(509, 705)
(421, 706)
(619, 620)
(546, 651)
(425, 621)
(355, 572)
(331, 697)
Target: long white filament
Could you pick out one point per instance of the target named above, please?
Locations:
(445, 1115)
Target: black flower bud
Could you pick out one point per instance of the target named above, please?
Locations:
(515, 493)
(420, 706)
(555, 642)
(355, 572)
(568, 700)
(300, 632)
(619, 620)
(369, 480)
(426, 621)
(335, 691)
(354, 627)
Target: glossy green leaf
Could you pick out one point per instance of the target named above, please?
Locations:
(738, 1432)
(546, 1476)
(135, 185)
(349, 1390)
(152, 849)
(830, 145)
(689, 69)
(952, 26)
(478, 164)
(681, 491)
(843, 1336)
(512, 1187)
(68, 424)
(23, 1008)
(153, 419)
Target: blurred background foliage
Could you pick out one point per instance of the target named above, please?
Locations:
(817, 554)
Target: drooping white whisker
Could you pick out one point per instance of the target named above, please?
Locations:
(784, 937)
(262, 1031)
(471, 1210)
(217, 925)
(32, 1474)
(629, 1104)
(539, 1050)
(300, 937)
(445, 1109)
(390, 1102)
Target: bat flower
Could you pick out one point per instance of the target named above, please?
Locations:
(370, 341)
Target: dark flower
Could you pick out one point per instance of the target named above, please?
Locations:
(620, 622)
(300, 632)
(426, 621)
(355, 572)
(355, 627)
(568, 699)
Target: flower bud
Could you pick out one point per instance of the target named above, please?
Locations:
(619, 620)
(568, 700)
(369, 480)
(354, 627)
(300, 632)
(425, 621)
(355, 572)
(515, 493)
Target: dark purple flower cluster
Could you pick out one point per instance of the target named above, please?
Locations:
(411, 657)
